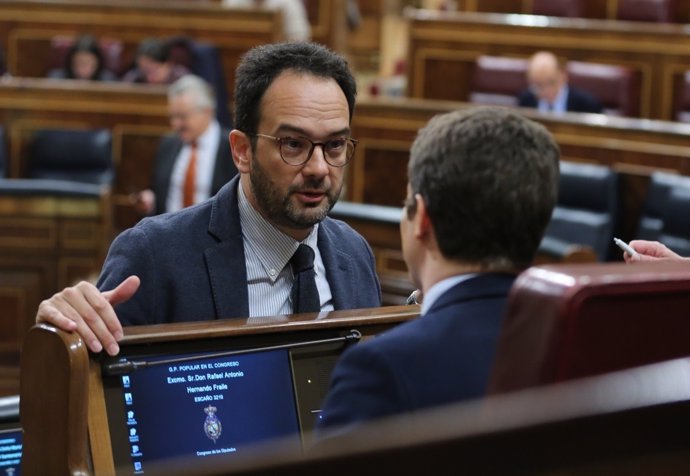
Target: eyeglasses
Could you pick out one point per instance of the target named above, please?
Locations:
(298, 150)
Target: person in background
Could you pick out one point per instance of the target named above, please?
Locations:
(264, 245)
(153, 64)
(482, 186)
(193, 162)
(651, 251)
(84, 60)
(549, 89)
(295, 21)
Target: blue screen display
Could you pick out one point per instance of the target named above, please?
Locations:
(208, 407)
(10, 452)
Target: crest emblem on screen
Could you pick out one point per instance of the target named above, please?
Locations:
(212, 426)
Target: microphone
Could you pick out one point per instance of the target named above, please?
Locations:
(415, 298)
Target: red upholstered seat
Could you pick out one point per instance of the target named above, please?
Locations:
(570, 321)
(498, 80)
(616, 87)
(646, 10)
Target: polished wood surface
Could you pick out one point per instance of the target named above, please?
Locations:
(370, 318)
(53, 403)
(62, 383)
(444, 45)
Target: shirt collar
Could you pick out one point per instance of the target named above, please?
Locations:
(560, 104)
(272, 247)
(438, 289)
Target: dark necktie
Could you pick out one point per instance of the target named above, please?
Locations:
(305, 296)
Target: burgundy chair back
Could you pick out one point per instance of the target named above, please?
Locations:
(498, 80)
(570, 321)
(616, 87)
(559, 8)
(660, 11)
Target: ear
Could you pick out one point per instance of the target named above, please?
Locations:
(241, 148)
(421, 221)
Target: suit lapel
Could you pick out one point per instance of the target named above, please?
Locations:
(343, 288)
(225, 262)
(168, 159)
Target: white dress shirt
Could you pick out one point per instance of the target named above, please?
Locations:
(206, 151)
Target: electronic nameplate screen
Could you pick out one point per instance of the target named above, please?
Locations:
(194, 406)
(10, 451)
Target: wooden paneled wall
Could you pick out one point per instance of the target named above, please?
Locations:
(48, 240)
(444, 46)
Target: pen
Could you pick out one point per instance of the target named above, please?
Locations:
(625, 247)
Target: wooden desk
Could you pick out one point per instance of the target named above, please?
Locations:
(66, 429)
(26, 27)
(444, 46)
(387, 127)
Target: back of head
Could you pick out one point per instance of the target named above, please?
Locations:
(489, 178)
(196, 87)
(261, 65)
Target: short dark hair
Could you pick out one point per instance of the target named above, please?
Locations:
(489, 179)
(154, 48)
(261, 65)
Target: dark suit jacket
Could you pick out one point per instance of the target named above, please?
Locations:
(192, 265)
(577, 101)
(224, 168)
(442, 357)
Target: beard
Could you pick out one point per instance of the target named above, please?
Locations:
(282, 209)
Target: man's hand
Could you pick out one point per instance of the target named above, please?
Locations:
(650, 251)
(144, 202)
(89, 312)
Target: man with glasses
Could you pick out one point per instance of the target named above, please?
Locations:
(549, 89)
(193, 162)
(263, 245)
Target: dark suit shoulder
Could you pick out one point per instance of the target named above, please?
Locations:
(582, 101)
(526, 98)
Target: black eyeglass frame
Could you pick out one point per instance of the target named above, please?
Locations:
(279, 141)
